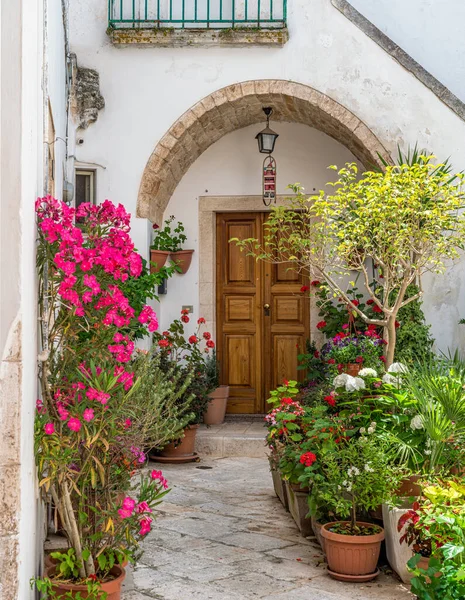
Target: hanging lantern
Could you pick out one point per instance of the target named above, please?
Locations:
(267, 137)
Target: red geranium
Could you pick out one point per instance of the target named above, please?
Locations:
(321, 324)
(315, 283)
(331, 400)
(370, 301)
(193, 339)
(207, 335)
(200, 321)
(210, 344)
(331, 361)
(307, 459)
(304, 288)
(377, 309)
(185, 319)
(359, 359)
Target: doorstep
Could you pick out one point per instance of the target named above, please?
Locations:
(245, 437)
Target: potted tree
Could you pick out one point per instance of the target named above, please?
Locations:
(168, 241)
(357, 228)
(356, 478)
(216, 409)
(85, 446)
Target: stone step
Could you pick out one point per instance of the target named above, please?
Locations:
(232, 438)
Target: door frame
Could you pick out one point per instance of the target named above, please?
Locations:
(209, 206)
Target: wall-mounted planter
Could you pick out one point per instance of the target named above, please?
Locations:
(183, 259)
(159, 257)
(298, 507)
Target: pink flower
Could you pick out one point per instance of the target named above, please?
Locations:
(88, 414)
(128, 503)
(158, 476)
(145, 526)
(345, 326)
(143, 507)
(124, 513)
(74, 424)
(49, 428)
(127, 423)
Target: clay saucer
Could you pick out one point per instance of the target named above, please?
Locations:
(353, 578)
(186, 458)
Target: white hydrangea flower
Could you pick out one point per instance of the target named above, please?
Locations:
(340, 380)
(390, 379)
(369, 469)
(416, 422)
(398, 368)
(427, 452)
(353, 384)
(363, 430)
(370, 430)
(367, 372)
(373, 425)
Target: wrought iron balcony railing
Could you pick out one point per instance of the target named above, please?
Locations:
(197, 14)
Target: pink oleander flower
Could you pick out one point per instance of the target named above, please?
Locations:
(49, 428)
(74, 424)
(128, 503)
(127, 423)
(143, 507)
(158, 476)
(40, 407)
(124, 513)
(145, 526)
(88, 414)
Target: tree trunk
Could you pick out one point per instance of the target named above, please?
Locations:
(391, 340)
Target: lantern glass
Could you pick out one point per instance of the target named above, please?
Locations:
(266, 140)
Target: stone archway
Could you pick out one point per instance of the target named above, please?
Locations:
(237, 106)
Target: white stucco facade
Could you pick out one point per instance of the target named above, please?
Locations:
(147, 89)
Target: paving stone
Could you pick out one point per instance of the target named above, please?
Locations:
(223, 535)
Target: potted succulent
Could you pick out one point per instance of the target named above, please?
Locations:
(356, 478)
(86, 448)
(168, 241)
(186, 355)
(216, 409)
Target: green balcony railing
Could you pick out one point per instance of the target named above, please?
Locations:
(197, 13)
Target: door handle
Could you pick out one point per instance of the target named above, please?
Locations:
(266, 308)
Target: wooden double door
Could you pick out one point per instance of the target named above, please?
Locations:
(262, 317)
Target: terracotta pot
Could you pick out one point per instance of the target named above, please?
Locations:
(112, 588)
(352, 557)
(298, 507)
(216, 409)
(317, 531)
(423, 564)
(159, 257)
(409, 487)
(183, 259)
(186, 446)
(352, 369)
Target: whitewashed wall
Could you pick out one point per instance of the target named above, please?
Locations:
(431, 31)
(147, 89)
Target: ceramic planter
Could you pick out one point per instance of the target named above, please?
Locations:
(352, 557)
(183, 259)
(216, 410)
(279, 484)
(159, 257)
(298, 507)
(181, 452)
(112, 588)
(397, 554)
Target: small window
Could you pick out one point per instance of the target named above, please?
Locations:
(85, 186)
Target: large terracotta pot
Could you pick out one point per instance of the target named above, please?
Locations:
(352, 557)
(183, 259)
(159, 257)
(216, 409)
(352, 369)
(409, 487)
(185, 448)
(112, 588)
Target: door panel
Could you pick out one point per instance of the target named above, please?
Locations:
(263, 318)
(238, 318)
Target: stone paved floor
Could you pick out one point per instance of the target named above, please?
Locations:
(223, 535)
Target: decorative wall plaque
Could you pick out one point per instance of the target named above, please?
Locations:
(269, 180)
